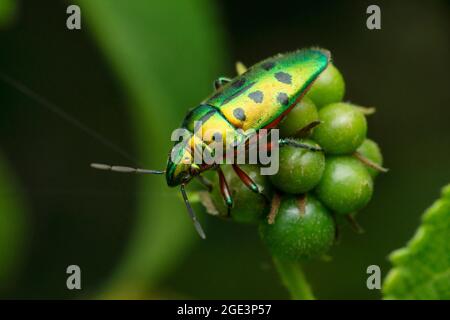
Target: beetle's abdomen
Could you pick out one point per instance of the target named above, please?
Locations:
(259, 96)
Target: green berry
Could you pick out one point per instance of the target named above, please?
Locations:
(328, 88)
(249, 207)
(299, 233)
(371, 151)
(346, 185)
(304, 113)
(300, 169)
(342, 130)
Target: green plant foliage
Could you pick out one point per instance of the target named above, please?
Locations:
(164, 76)
(422, 269)
(12, 226)
(7, 11)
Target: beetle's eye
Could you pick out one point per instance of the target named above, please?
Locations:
(184, 175)
(194, 169)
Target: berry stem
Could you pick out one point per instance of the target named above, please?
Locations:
(274, 206)
(294, 279)
(366, 110)
(369, 162)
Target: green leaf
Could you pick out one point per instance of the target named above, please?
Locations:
(7, 12)
(422, 269)
(12, 226)
(166, 55)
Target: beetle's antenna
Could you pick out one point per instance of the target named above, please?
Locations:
(191, 213)
(41, 101)
(122, 169)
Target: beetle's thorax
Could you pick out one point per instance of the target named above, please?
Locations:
(209, 124)
(206, 126)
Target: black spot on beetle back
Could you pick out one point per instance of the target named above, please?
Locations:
(268, 65)
(256, 96)
(237, 93)
(283, 77)
(283, 98)
(239, 114)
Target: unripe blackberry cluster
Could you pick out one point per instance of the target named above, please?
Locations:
(312, 190)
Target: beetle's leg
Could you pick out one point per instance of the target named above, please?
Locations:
(293, 143)
(245, 178)
(225, 190)
(191, 213)
(240, 68)
(205, 182)
(296, 144)
(303, 132)
(220, 82)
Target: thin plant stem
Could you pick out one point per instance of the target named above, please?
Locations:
(294, 279)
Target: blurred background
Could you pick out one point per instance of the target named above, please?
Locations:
(130, 74)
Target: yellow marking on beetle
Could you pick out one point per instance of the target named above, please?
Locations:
(263, 113)
(215, 125)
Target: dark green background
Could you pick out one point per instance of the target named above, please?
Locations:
(116, 227)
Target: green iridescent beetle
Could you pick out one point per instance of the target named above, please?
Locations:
(258, 98)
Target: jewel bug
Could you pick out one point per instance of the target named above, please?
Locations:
(258, 98)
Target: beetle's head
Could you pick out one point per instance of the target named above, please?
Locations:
(181, 168)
